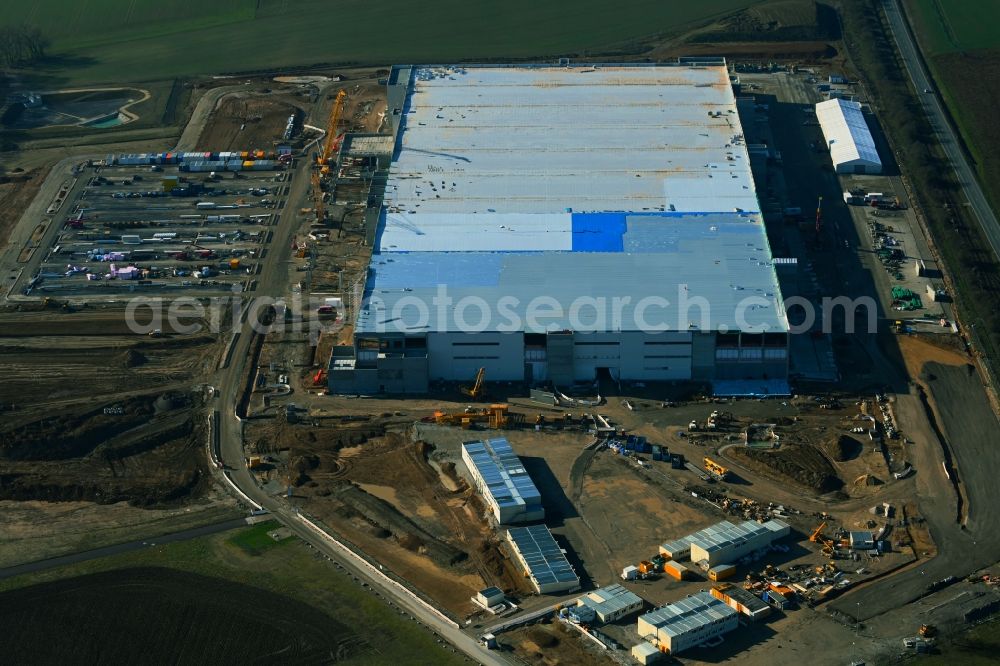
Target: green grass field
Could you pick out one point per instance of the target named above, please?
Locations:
(217, 599)
(961, 43)
(956, 25)
(100, 41)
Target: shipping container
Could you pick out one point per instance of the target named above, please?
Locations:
(675, 570)
(721, 572)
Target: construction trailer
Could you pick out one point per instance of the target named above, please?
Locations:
(725, 542)
(675, 570)
(611, 603)
(688, 623)
(721, 572)
(647, 653)
(742, 601)
(489, 597)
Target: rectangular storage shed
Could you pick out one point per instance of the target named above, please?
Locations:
(848, 137)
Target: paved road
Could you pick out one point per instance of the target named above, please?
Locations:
(272, 283)
(117, 549)
(948, 137)
(967, 423)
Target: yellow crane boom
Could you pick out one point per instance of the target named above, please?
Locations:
(331, 131)
(477, 389)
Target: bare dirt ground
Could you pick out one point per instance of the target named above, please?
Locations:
(630, 515)
(366, 105)
(552, 644)
(917, 351)
(94, 414)
(388, 493)
(244, 121)
(16, 192)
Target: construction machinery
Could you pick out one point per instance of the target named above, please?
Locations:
(319, 379)
(330, 144)
(496, 416)
(332, 137)
(478, 388)
(818, 537)
(715, 469)
(817, 534)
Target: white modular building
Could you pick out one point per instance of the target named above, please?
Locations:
(562, 223)
(611, 603)
(725, 542)
(848, 137)
(503, 482)
(543, 561)
(688, 623)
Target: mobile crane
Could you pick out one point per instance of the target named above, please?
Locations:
(331, 142)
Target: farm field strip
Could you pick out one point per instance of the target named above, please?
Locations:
(225, 37)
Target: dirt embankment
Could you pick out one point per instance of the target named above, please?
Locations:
(375, 485)
(143, 450)
(247, 122)
(16, 192)
(804, 465)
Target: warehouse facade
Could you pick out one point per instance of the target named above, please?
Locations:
(557, 223)
(503, 482)
(848, 137)
(688, 623)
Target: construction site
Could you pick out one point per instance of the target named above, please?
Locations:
(579, 495)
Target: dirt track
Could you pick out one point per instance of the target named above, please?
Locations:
(970, 428)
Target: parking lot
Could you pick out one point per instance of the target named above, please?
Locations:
(156, 230)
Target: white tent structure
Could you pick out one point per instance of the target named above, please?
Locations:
(848, 137)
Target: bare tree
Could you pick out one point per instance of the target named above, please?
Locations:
(22, 44)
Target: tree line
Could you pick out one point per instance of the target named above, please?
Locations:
(21, 44)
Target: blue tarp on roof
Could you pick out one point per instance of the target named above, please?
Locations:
(598, 232)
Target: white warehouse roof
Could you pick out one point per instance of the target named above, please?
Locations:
(573, 183)
(503, 475)
(847, 135)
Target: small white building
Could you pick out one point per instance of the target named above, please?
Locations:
(489, 597)
(848, 137)
(687, 623)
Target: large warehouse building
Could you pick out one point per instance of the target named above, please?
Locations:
(687, 623)
(561, 223)
(848, 137)
(502, 481)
